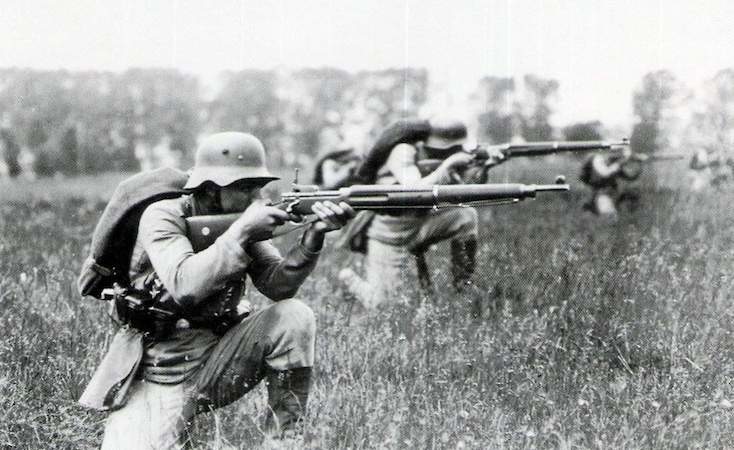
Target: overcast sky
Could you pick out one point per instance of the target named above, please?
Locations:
(597, 50)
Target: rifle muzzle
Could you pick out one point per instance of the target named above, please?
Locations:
(533, 189)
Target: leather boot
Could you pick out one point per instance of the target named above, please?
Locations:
(463, 261)
(424, 275)
(287, 398)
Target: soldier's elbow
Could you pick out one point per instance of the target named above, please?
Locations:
(185, 295)
(185, 299)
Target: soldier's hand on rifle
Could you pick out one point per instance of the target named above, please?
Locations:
(258, 222)
(331, 216)
(458, 160)
(494, 157)
(626, 154)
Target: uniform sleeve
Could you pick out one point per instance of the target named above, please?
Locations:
(602, 168)
(189, 277)
(280, 277)
(475, 175)
(402, 165)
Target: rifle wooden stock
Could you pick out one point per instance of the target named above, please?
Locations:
(204, 230)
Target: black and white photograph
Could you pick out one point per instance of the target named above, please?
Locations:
(366, 224)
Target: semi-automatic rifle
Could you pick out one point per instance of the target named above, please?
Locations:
(483, 153)
(631, 165)
(204, 230)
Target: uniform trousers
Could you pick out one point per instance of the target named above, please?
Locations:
(156, 416)
(394, 241)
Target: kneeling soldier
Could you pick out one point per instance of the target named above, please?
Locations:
(213, 353)
(602, 174)
(397, 239)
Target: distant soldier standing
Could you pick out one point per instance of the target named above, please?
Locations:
(603, 174)
(157, 375)
(397, 239)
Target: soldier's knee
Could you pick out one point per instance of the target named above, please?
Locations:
(295, 314)
(468, 215)
(468, 221)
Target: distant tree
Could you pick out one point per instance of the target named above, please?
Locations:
(583, 131)
(505, 114)
(537, 107)
(384, 96)
(247, 102)
(36, 139)
(12, 150)
(37, 135)
(154, 105)
(322, 103)
(712, 126)
(497, 116)
(69, 152)
(652, 104)
(45, 162)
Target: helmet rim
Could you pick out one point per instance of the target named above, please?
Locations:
(223, 176)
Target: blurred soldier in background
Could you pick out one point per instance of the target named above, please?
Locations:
(155, 379)
(710, 167)
(603, 175)
(722, 169)
(700, 167)
(335, 167)
(397, 239)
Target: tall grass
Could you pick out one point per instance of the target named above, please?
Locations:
(578, 333)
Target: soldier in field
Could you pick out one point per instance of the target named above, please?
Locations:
(604, 174)
(396, 240)
(159, 373)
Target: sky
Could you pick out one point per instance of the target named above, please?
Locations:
(597, 50)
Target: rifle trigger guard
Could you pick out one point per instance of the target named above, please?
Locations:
(289, 207)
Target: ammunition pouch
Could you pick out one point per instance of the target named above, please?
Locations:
(157, 314)
(142, 311)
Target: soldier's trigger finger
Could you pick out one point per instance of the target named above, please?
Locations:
(279, 216)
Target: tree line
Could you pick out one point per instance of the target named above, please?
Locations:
(86, 122)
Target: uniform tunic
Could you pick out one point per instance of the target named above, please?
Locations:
(394, 238)
(178, 369)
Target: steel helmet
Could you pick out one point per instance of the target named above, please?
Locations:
(224, 158)
(446, 132)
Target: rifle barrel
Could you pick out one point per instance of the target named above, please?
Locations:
(550, 147)
(550, 187)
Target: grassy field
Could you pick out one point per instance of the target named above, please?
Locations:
(579, 334)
